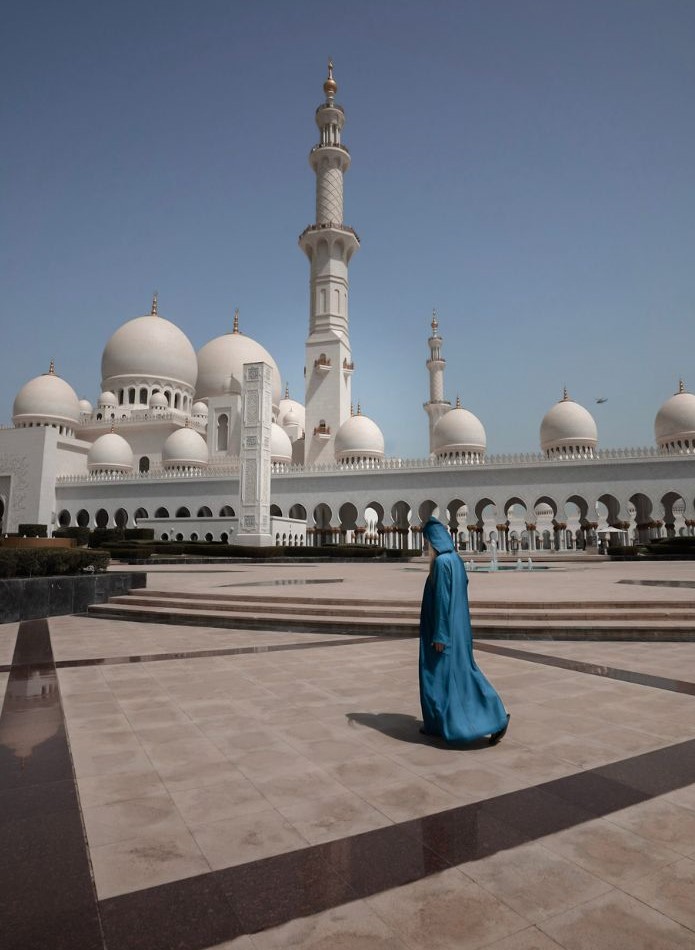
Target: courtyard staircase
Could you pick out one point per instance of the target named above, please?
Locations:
(571, 620)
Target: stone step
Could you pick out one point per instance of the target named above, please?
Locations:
(347, 609)
(619, 629)
(415, 604)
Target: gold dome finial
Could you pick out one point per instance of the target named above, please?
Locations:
(187, 423)
(352, 409)
(287, 390)
(565, 394)
(681, 385)
(235, 328)
(153, 311)
(458, 402)
(113, 426)
(52, 368)
(435, 322)
(330, 87)
(359, 409)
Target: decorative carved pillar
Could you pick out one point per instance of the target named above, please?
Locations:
(254, 481)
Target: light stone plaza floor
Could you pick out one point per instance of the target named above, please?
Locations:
(285, 798)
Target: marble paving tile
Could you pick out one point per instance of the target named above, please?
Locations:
(334, 816)
(196, 775)
(125, 819)
(226, 799)
(446, 912)
(351, 926)
(247, 838)
(660, 821)
(409, 799)
(118, 787)
(534, 881)
(145, 861)
(610, 852)
(297, 788)
(670, 890)
(616, 921)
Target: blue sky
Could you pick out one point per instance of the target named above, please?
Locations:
(524, 166)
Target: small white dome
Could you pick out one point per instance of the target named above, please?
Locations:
(568, 428)
(675, 421)
(359, 438)
(158, 401)
(291, 412)
(459, 432)
(200, 409)
(107, 400)
(185, 448)
(149, 348)
(86, 406)
(280, 445)
(110, 453)
(46, 400)
(221, 365)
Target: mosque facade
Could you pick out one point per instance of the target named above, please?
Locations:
(205, 446)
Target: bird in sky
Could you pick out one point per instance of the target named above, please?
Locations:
(601, 399)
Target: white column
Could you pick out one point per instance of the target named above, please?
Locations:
(254, 481)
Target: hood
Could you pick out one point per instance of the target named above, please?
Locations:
(437, 535)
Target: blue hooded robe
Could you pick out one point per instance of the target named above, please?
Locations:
(457, 701)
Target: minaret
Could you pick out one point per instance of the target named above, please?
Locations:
(437, 405)
(329, 244)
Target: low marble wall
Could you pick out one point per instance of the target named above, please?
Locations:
(31, 598)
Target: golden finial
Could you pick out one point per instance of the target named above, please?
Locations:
(287, 390)
(52, 368)
(435, 322)
(359, 409)
(235, 328)
(187, 423)
(330, 87)
(113, 426)
(153, 311)
(352, 409)
(565, 394)
(681, 386)
(458, 402)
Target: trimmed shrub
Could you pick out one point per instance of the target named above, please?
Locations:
(138, 534)
(126, 550)
(77, 534)
(103, 536)
(49, 562)
(32, 530)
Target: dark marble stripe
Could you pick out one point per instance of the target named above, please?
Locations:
(47, 898)
(228, 651)
(593, 669)
(274, 890)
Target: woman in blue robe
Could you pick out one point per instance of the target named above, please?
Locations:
(458, 703)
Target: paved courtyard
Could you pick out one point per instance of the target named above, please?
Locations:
(186, 787)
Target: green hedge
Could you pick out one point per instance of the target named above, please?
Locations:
(77, 534)
(32, 530)
(48, 562)
(124, 550)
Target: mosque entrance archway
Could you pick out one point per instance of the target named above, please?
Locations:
(276, 511)
(64, 518)
(348, 520)
(397, 535)
(298, 512)
(102, 518)
(121, 518)
(646, 528)
(83, 518)
(322, 523)
(427, 509)
(457, 512)
(673, 509)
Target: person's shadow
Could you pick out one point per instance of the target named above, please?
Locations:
(407, 729)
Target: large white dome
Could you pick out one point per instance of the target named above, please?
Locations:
(221, 365)
(291, 412)
(149, 348)
(280, 445)
(459, 434)
(568, 429)
(185, 448)
(110, 453)
(359, 438)
(46, 400)
(675, 422)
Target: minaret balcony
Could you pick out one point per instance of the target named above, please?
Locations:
(348, 368)
(322, 432)
(328, 226)
(325, 145)
(322, 364)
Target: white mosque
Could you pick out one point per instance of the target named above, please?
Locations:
(205, 446)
